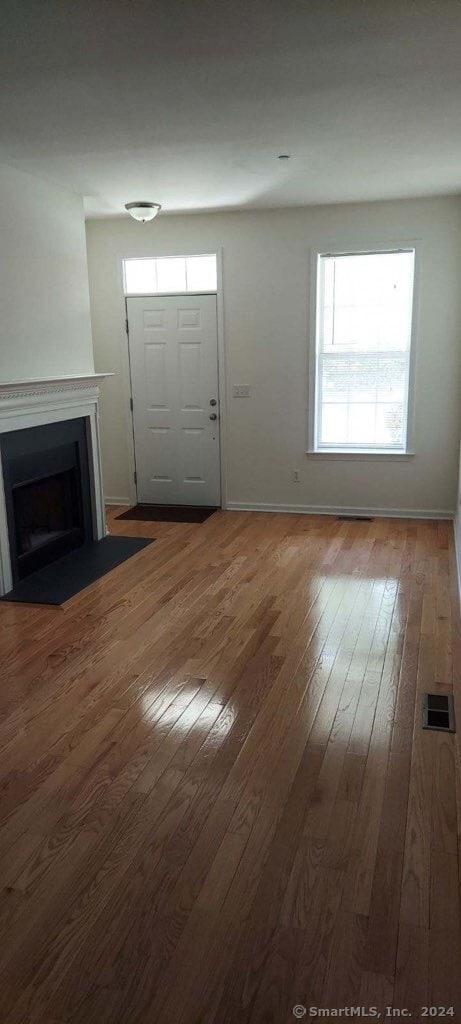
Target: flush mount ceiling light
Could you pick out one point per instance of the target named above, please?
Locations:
(143, 211)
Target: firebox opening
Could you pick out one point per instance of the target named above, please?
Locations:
(47, 512)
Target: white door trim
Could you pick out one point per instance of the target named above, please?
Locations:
(191, 251)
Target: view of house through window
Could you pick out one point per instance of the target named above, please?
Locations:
(363, 341)
(170, 274)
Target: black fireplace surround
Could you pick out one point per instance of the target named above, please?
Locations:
(47, 491)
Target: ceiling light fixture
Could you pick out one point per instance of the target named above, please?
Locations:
(143, 211)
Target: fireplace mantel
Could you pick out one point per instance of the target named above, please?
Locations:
(35, 401)
(38, 387)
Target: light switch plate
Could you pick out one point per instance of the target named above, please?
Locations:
(241, 391)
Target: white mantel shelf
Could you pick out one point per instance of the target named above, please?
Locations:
(36, 386)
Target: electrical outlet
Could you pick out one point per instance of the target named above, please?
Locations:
(241, 390)
(296, 476)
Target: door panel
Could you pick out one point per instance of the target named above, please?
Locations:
(174, 377)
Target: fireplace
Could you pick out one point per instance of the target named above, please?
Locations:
(53, 537)
(51, 493)
(47, 493)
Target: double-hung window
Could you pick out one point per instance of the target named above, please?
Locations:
(363, 335)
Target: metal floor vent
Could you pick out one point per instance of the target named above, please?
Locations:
(438, 712)
(361, 519)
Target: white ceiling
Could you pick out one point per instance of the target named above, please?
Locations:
(189, 102)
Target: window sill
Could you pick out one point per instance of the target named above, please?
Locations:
(359, 456)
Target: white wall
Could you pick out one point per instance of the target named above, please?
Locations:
(457, 528)
(266, 317)
(45, 319)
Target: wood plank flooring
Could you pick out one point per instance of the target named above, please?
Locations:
(216, 798)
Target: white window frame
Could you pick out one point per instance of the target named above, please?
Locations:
(354, 453)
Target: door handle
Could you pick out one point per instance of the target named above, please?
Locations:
(213, 416)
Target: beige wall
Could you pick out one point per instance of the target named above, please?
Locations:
(457, 528)
(266, 318)
(45, 308)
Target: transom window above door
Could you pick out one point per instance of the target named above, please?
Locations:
(361, 349)
(162, 274)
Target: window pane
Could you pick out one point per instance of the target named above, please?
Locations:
(363, 349)
(361, 423)
(389, 424)
(392, 378)
(201, 273)
(334, 422)
(140, 277)
(171, 274)
(356, 327)
(371, 297)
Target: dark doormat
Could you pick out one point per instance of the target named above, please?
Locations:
(168, 513)
(69, 575)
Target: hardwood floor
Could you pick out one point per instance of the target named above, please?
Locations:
(217, 801)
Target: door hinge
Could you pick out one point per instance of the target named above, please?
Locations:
(126, 326)
(131, 404)
(135, 477)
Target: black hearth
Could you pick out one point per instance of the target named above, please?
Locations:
(47, 492)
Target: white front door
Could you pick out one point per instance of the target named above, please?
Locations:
(174, 378)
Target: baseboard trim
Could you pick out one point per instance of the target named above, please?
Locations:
(332, 510)
(341, 510)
